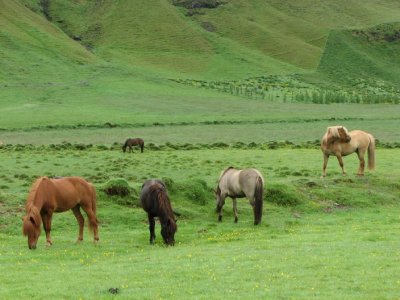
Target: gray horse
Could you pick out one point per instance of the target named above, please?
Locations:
(247, 183)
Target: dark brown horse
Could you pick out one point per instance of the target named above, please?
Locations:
(133, 142)
(58, 195)
(156, 203)
(247, 183)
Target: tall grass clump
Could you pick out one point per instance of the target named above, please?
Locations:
(283, 195)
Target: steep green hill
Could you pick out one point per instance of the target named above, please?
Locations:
(237, 39)
(368, 57)
(71, 62)
(34, 50)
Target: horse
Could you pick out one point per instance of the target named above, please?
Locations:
(340, 142)
(49, 195)
(155, 201)
(235, 183)
(133, 142)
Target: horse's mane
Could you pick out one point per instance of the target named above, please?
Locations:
(159, 192)
(32, 192)
(224, 171)
(332, 133)
(32, 220)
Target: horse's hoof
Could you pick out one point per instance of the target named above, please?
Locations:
(48, 244)
(78, 241)
(220, 219)
(236, 220)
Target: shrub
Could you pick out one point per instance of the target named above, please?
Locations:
(283, 195)
(170, 184)
(117, 187)
(197, 191)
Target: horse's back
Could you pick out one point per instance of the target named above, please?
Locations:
(240, 183)
(147, 195)
(71, 191)
(248, 180)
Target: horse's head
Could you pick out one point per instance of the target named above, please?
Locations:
(124, 148)
(344, 134)
(337, 133)
(168, 230)
(31, 228)
(218, 198)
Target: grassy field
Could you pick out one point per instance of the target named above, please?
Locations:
(248, 84)
(330, 238)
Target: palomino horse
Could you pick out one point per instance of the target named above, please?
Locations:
(155, 202)
(133, 142)
(58, 195)
(339, 142)
(247, 183)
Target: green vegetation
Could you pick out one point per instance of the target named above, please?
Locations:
(300, 250)
(207, 84)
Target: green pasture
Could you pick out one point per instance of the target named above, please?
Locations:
(329, 238)
(239, 85)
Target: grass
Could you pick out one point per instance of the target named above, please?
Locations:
(312, 249)
(122, 63)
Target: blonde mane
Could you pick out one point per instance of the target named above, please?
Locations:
(333, 133)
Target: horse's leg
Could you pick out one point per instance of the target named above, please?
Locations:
(219, 208)
(46, 217)
(326, 158)
(235, 209)
(340, 160)
(362, 162)
(152, 225)
(92, 221)
(81, 221)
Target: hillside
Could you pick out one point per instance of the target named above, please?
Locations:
(84, 62)
(235, 40)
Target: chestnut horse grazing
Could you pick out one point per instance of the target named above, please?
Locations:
(133, 142)
(339, 142)
(58, 195)
(247, 183)
(155, 202)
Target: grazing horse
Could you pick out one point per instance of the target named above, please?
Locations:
(58, 195)
(133, 142)
(247, 183)
(339, 142)
(156, 203)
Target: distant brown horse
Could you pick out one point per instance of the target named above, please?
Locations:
(133, 142)
(247, 183)
(339, 142)
(155, 201)
(58, 195)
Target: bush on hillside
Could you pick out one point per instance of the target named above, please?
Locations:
(197, 191)
(192, 4)
(283, 195)
(117, 187)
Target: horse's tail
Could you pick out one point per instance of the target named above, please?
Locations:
(94, 221)
(141, 146)
(258, 201)
(371, 152)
